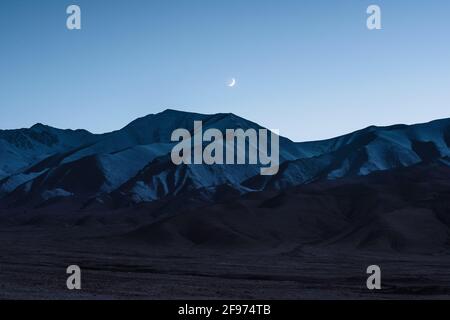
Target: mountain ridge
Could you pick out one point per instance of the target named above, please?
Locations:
(43, 159)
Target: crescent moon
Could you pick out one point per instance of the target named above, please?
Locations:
(232, 83)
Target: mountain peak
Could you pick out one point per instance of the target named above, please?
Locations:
(39, 126)
(169, 110)
(179, 113)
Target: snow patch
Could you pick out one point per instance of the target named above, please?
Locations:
(142, 193)
(56, 193)
(14, 181)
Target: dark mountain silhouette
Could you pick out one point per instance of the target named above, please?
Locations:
(401, 210)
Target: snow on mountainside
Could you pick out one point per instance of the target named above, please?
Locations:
(133, 163)
(158, 128)
(116, 157)
(162, 178)
(363, 152)
(24, 147)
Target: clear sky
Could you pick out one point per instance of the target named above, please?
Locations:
(310, 68)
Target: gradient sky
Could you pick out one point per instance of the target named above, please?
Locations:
(309, 68)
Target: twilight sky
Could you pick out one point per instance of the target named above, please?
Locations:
(310, 68)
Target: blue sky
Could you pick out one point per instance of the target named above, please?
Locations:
(309, 68)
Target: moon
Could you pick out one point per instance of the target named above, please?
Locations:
(232, 83)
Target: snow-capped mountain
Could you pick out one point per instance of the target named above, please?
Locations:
(363, 152)
(43, 163)
(24, 147)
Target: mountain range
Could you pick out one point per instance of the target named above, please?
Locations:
(140, 226)
(132, 165)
